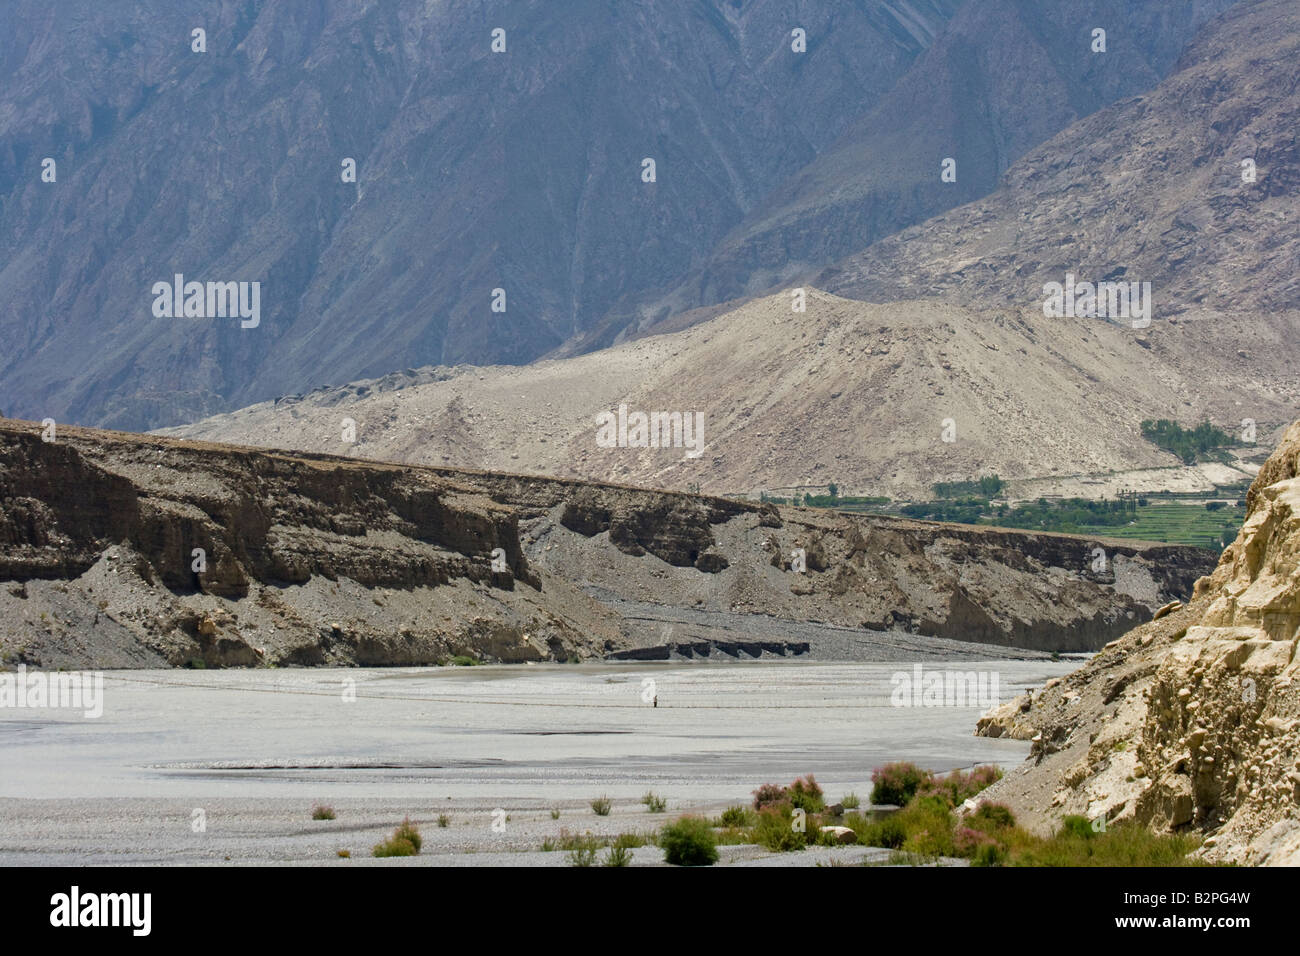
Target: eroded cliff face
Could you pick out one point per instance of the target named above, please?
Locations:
(875, 573)
(124, 550)
(1193, 721)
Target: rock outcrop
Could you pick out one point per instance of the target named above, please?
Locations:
(124, 550)
(1190, 722)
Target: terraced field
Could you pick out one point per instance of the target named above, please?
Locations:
(1178, 524)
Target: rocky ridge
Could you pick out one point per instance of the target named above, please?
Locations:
(316, 559)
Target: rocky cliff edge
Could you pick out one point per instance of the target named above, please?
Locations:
(1190, 722)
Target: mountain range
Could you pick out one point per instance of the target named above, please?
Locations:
(496, 147)
(954, 328)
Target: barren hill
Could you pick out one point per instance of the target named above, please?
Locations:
(845, 392)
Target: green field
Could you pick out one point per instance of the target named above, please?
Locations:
(1169, 521)
(1174, 518)
(1177, 524)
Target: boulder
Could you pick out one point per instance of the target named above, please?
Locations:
(841, 834)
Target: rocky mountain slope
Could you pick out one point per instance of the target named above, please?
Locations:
(1190, 722)
(475, 170)
(844, 392)
(1151, 189)
(968, 98)
(311, 559)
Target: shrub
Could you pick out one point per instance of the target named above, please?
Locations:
(928, 843)
(689, 842)
(992, 816)
(626, 841)
(345, 854)
(960, 786)
(737, 817)
(775, 830)
(601, 806)
(569, 841)
(989, 854)
(897, 783)
(582, 852)
(555, 814)
(887, 832)
(1077, 826)
(926, 828)
(1122, 844)
(408, 832)
(806, 795)
(319, 812)
(618, 856)
(654, 803)
(444, 821)
(850, 801)
(981, 778)
(734, 836)
(822, 837)
(400, 843)
(405, 841)
(928, 824)
(463, 660)
(966, 841)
